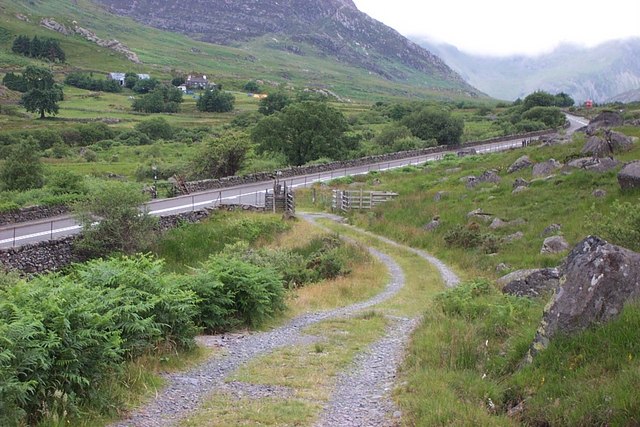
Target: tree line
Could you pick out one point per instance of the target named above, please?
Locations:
(39, 48)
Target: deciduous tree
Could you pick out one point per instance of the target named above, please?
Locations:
(304, 132)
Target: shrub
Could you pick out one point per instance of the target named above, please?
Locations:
(23, 169)
(257, 293)
(215, 101)
(470, 236)
(156, 128)
(90, 133)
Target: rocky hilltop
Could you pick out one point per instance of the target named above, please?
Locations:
(335, 28)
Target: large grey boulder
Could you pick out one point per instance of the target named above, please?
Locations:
(554, 245)
(606, 119)
(597, 280)
(523, 162)
(530, 283)
(597, 147)
(546, 168)
(629, 176)
(620, 142)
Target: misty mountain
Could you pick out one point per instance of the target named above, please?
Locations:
(334, 27)
(599, 73)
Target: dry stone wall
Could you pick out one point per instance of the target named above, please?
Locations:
(32, 213)
(212, 184)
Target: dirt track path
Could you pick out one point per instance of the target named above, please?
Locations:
(362, 393)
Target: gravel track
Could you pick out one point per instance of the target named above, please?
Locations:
(362, 395)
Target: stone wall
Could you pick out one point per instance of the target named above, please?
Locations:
(39, 257)
(32, 213)
(53, 255)
(212, 184)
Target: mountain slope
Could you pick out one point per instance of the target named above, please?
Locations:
(597, 73)
(336, 28)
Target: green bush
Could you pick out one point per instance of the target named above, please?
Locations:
(257, 292)
(61, 337)
(471, 236)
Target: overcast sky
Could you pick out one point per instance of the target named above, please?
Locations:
(504, 27)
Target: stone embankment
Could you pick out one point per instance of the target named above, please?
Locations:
(53, 255)
(32, 213)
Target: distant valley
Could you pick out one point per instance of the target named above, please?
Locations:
(608, 72)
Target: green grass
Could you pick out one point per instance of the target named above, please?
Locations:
(191, 244)
(563, 199)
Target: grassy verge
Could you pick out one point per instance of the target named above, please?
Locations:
(191, 244)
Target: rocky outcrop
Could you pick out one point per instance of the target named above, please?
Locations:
(336, 28)
(530, 283)
(597, 280)
(629, 176)
(523, 162)
(113, 44)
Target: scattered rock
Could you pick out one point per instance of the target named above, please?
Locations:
(490, 176)
(546, 168)
(629, 176)
(619, 141)
(497, 223)
(594, 164)
(519, 189)
(521, 182)
(597, 147)
(502, 267)
(470, 181)
(479, 214)
(518, 235)
(22, 17)
(598, 279)
(439, 195)
(554, 245)
(433, 224)
(551, 229)
(599, 193)
(530, 283)
(523, 162)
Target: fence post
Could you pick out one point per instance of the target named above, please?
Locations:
(14, 237)
(51, 235)
(193, 203)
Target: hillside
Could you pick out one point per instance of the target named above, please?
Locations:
(343, 50)
(599, 73)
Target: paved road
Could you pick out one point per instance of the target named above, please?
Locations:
(55, 228)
